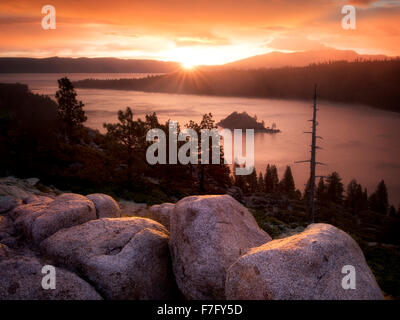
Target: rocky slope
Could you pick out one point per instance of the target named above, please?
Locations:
(202, 247)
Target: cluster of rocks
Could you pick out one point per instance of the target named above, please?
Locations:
(202, 247)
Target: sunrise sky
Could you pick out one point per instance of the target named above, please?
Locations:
(195, 31)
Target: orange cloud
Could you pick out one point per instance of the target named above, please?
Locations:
(225, 29)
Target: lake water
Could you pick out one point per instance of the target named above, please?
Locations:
(359, 142)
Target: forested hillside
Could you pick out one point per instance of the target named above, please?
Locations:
(373, 83)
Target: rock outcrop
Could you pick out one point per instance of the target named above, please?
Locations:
(7, 231)
(124, 258)
(208, 234)
(8, 203)
(215, 250)
(27, 211)
(6, 227)
(304, 266)
(40, 219)
(161, 213)
(24, 188)
(21, 279)
(106, 207)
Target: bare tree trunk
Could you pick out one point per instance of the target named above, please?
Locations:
(311, 209)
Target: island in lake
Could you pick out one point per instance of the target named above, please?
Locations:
(244, 121)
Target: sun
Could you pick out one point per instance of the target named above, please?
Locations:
(193, 57)
(188, 65)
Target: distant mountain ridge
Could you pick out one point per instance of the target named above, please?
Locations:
(85, 65)
(299, 59)
(115, 65)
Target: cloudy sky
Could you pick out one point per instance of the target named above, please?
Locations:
(203, 31)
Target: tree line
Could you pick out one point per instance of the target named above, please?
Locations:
(373, 83)
(329, 190)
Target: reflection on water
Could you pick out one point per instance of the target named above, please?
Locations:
(359, 142)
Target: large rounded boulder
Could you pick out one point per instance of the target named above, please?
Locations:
(26, 213)
(106, 207)
(316, 264)
(21, 279)
(6, 227)
(124, 258)
(208, 234)
(8, 203)
(44, 217)
(162, 213)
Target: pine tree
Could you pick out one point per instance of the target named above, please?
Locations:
(392, 211)
(268, 180)
(364, 205)
(334, 188)
(354, 197)
(287, 183)
(219, 172)
(378, 201)
(274, 178)
(252, 181)
(321, 191)
(307, 190)
(129, 133)
(239, 180)
(260, 183)
(70, 110)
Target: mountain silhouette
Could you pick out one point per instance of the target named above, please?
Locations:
(299, 59)
(85, 65)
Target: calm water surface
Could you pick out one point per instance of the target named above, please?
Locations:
(359, 142)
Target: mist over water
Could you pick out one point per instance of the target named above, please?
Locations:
(359, 142)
